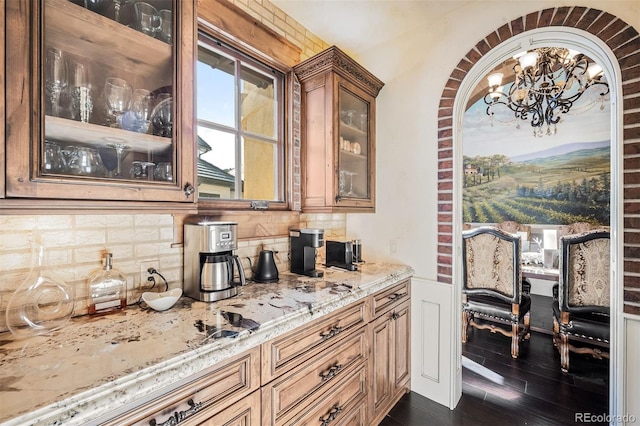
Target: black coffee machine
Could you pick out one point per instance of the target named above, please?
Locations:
(304, 243)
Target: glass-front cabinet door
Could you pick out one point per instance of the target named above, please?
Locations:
(354, 147)
(338, 98)
(107, 101)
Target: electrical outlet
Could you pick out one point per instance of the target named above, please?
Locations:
(393, 246)
(144, 270)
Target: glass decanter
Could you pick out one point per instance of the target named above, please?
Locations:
(42, 303)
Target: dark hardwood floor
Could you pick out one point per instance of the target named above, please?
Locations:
(528, 391)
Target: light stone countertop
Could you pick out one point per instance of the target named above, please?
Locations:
(95, 366)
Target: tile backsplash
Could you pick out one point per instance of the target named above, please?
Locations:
(74, 245)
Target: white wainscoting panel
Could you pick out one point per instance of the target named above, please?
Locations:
(431, 333)
(631, 371)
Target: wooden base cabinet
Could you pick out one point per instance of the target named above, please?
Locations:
(348, 368)
(389, 361)
(227, 394)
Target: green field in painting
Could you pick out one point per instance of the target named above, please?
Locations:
(562, 189)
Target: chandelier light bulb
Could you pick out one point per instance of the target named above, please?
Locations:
(528, 60)
(495, 79)
(594, 71)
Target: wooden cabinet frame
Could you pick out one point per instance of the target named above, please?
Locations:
(322, 78)
(25, 123)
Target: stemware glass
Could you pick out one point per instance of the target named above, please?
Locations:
(120, 148)
(56, 78)
(117, 94)
(141, 105)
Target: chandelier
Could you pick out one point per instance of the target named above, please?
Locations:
(546, 84)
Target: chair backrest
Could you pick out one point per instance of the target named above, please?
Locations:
(491, 263)
(512, 227)
(584, 272)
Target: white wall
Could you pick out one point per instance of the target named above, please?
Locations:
(415, 68)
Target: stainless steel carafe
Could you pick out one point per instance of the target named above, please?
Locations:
(210, 267)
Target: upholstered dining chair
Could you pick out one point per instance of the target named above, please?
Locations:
(581, 298)
(492, 296)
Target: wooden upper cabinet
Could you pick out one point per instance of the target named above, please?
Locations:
(338, 133)
(99, 107)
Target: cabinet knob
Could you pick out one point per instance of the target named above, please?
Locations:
(334, 331)
(188, 189)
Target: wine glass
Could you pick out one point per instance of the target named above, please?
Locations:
(141, 107)
(117, 94)
(120, 148)
(56, 78)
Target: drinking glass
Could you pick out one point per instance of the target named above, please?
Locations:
(54, 160)
(120, 148)
(117, 94)
(161, 117)
(55, 79)
(81, 97)
(141, 105)
(148, 19)
(163, 171)
(166, 28)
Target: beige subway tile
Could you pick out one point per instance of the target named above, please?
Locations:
(119, 220)
(146, 234)
(17, 223)
(90, 221)
(54, 222)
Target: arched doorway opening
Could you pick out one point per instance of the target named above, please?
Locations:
(589, 30)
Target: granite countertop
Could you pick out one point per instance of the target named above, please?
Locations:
(96, 365)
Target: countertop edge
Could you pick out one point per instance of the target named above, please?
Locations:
(108, 400)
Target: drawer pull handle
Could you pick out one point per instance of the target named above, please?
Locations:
(330, 416)
(396, 296)
(179, 416)
(333, 371)
(395, 316)
(334, 331)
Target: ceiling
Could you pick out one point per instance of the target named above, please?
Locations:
(358, 26)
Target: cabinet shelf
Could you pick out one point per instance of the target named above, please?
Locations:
(64, 130)
(88, 35)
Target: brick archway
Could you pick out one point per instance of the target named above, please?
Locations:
(624, 42)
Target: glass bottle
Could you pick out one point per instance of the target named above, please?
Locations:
(42, 303)
(107, 289)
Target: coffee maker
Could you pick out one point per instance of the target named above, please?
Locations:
(304, 243)
(209, 263)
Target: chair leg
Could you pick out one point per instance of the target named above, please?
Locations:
(556, 333)
(564, 352)
(527, 326)
(515, 339)
(465, 326)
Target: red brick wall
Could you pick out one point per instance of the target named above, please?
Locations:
(624, 42)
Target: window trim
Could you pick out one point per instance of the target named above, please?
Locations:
(282, 174)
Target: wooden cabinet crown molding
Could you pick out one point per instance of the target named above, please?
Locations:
(336, 60)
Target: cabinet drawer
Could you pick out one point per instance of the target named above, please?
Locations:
(335, 405)
(218, 388)
(386, 299)
(245, 412)
(290, 350)
(285, 394)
